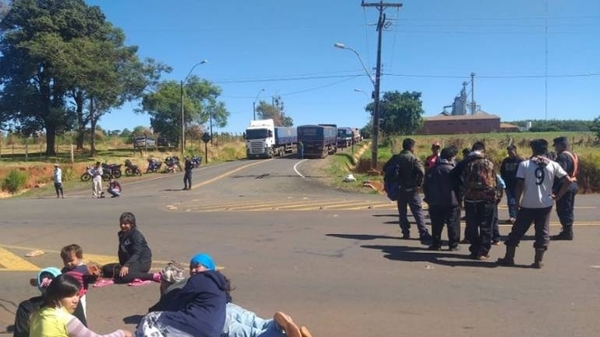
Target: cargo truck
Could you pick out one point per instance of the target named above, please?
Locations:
(318, 140)
(344, 137)
(265, 140)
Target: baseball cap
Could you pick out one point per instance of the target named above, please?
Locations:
(203, 259)
(436, 144)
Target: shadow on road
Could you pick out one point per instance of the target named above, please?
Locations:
(362, 236)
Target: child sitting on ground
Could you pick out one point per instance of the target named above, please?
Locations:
(72, 257)
(135, 257)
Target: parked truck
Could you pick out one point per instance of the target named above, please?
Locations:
(318, 140)
(344, 137)
(265, 140)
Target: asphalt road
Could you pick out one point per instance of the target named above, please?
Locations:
(331, 259)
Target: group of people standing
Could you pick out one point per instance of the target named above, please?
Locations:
(474, 184)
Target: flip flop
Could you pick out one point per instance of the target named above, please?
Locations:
(137, 283)
(103, 283)
(35, 253)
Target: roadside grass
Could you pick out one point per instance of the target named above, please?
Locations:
(342, 164)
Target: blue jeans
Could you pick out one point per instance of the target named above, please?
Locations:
(243, 323)
(511, 202)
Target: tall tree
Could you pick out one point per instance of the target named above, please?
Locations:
(274, 112)
(199, 101)
(400, 113)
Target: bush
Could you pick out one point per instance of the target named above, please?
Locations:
(14, 181)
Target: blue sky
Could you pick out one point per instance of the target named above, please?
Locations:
(431, 46)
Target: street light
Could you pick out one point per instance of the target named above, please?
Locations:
(363, 92)
(254, 104)
(376, 86)
(182, 110)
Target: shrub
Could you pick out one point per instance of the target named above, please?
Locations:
(14, 181)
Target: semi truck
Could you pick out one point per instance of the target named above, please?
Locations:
(265, 140)
(318, 140)
(345, 137)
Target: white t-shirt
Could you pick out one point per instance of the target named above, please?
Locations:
(57, 176)
(537, 187)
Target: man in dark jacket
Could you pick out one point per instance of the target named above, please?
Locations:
(410, 177)
(442, 200)
(565, 205)
(187, 177)
(508, 172)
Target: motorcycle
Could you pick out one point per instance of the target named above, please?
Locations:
(112, 169)
(86, 176)
(153, 165)
(131, 169)
(196, 161)
(172, 164)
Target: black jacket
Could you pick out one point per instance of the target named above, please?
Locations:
(133, 248)
(410, 169)
(438, 187)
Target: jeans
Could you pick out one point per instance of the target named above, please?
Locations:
(411, 198)
(59, 189)
(187, 179)
(114, 192)
(511, 202)
(495, 229)
(541, 219)
(243, 323)
(565, 206)
(480, 216)
(448, 215)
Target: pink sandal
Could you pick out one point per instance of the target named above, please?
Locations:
(103, 283)
(137, 282)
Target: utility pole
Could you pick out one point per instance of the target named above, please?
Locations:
(381, 6)
(473, 104)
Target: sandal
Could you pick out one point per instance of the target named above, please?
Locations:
(103, 283)
(137, 282)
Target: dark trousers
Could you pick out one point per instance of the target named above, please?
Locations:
(480, 217)
(59, 189)
(541, 219)
(448, 215)
(495, 228)
(136, 270)
(565, 207)
(187, 179)
(411, 198)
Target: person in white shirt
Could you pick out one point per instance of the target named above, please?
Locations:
(57, 177)
(534, 201)
(96, 173)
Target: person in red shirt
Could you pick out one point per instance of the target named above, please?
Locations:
(433, 158)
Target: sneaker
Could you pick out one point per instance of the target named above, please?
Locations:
(406, 236)
(482, 257)
(287, 325)
(103, 283)
(511, 220)
(496, 242)
(454, 248)
(434, 247)
(137, 282)
(425, 239)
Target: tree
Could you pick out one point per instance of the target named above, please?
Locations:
(595, 126)
(400, 113)
(200, 103)
(274, 112)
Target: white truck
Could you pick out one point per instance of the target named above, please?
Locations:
(265, 140)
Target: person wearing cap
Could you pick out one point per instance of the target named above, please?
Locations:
(433, 158)
(239, 322)
(57, 178)
(534, 201)
(565, 206)
(187, 176)
(197, 310)
(508, 172)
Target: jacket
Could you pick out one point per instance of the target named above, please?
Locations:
(508, 171)
(133, 248)
(199, 308)
(438, 188)
(410, 169)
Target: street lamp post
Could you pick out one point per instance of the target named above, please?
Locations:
(254, 104)
(376, 86)
(182, 109)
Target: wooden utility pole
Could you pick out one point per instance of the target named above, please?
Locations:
(381, 6)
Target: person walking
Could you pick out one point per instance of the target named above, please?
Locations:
(96, 173)
(534, 201)
(442, 201)
(187, 176)
(478, 180)
(57, 177)
(508, 173)
(565, 206)
(410, 178)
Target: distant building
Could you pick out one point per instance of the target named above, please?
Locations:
(444, 124)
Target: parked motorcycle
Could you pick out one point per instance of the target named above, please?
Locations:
(153, 165)
(86, 176)
(112, 169)
(172, 164)
(196, 161)
(131, 169)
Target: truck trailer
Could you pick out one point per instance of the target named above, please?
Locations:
(318, 140)
(265, 140)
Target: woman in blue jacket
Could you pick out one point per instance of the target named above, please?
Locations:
(197, 310)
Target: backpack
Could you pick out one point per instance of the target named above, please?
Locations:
(391, 179)
(479, 179)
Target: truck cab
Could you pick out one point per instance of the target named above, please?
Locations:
(260, 138)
